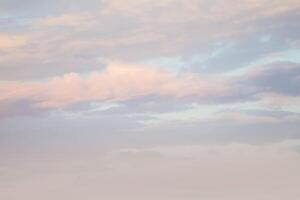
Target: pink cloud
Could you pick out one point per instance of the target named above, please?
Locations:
(8, 42)
(116, 83)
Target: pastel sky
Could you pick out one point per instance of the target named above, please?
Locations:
(150, 99)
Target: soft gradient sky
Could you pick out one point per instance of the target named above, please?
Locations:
(150, 99)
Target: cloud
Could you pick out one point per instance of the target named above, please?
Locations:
(121, 82)
(72, 20)
(130, 31)
(265, 39)
(255, 117)
(117, 82)
(276, 100)
(19, 107)
(8, 42)
(149, 99)
(281, 77)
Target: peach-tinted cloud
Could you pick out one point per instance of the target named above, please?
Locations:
(12, 41)
(275, 100)
(77, 19)
(123, 81)
(116, 83)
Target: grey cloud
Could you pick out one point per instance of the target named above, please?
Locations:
(227, 131)
(20, 107)
(270, 113)
(276, 77)
(38, 69)
(280, 77)
(150, 104)
(59, 131)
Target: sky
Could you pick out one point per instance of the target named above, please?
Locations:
(150, 99)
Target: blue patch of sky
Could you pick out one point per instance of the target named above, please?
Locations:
(11, 22)
(172, 64)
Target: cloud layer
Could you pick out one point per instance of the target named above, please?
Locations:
(149, 99)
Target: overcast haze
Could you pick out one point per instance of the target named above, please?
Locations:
(149, 99)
